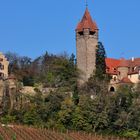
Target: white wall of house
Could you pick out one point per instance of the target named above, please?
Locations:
(134, 78)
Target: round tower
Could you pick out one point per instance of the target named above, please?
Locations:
(86, 45)
(123, 69)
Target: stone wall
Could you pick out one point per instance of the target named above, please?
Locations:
(86, 45)
(123, 72)
(8, 90)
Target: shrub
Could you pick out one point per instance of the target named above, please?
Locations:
(130, 134)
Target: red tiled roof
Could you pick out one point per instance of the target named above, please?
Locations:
(112, 65)
(134, 65)
(123, 63)
(87, 23)
(125, 80)
(135, 62)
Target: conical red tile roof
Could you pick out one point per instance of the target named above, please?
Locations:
(126, 80)
(87, 23)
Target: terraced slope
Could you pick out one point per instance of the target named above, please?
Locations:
(12, 132)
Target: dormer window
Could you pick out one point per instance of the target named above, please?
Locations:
(133, 69)
(115, 70)
(107, 69)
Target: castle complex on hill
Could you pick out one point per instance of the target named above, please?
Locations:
(122, 71)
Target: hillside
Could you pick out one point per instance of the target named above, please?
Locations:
(89, 108)
(12, 132)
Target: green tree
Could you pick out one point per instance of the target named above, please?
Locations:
(65, 114)
(119, 108)
(75, 95)
(100, 61)
(31, 117)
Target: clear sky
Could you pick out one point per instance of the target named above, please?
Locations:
(31, 27)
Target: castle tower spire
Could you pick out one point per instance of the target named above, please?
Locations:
(87, 22)
(86, 44)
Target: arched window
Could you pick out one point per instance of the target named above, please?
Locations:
(115, 79)
(112, 89)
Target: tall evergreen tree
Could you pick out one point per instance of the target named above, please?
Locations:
(100, 61)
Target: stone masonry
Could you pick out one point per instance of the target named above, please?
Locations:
(86, 44)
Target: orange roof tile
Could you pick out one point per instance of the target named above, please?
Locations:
(87, 23)
(126, 80)
(123, 63)
(112, 65)
(135, 62)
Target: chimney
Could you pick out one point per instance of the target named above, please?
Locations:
(133, 59)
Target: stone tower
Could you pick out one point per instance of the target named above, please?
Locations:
(86, 44)
(123, 69)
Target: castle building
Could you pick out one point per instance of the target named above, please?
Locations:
(86, 44)
(3, 66)
(122, 71)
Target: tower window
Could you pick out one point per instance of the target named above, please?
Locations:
(92, 33)
(81, 33)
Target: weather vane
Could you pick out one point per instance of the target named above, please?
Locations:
(86, 3)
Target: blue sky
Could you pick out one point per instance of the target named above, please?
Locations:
(31, 27)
